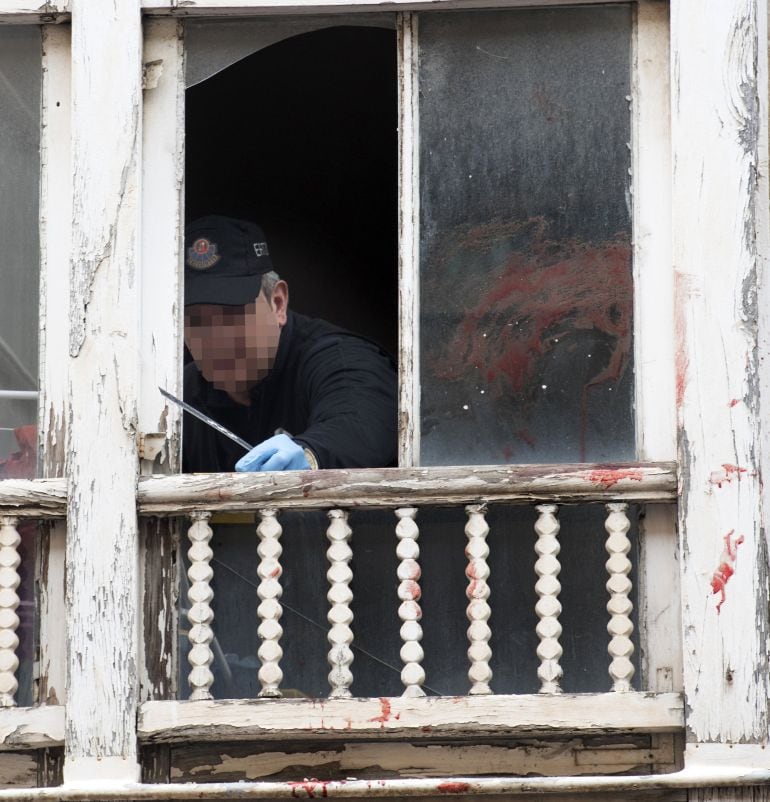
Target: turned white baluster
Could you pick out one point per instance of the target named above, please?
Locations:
(548, 607)
(9, 601)
(478, 611)
(200, 614)
(619, 606)
(270, 610)
(409, 592)
(340, 615)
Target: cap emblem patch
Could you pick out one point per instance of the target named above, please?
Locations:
(260, 248)
(202, 254)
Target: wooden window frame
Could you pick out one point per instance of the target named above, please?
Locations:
(707, 229)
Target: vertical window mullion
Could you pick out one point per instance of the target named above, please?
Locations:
(408, 235)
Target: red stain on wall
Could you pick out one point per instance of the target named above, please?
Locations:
(726, 568)
(682, 363)
(453, 788)
(611, 476)
(309, 789)
(726, 474)
(734, 402)
(385, 712)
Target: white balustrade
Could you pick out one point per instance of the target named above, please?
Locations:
(340, 596)
(619, 606)
(409, 592)
(200, 614)
(478, 610)
(548, 607)
(269, 610)
(9, 602)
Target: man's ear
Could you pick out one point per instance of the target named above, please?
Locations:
(280, 301)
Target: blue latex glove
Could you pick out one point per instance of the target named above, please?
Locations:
(279, 453)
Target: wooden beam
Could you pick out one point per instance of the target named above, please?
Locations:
(248, 7)
(720, 246)
(34, 498)
(390, 487)
(401, 717)
(102, 455)
(31, 727)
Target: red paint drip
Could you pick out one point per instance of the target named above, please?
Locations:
(309, 789)
(726, 568)
(453, 788)
(682, 362)
(734, 402)
(726, 474)
(385, 714)
(607, 477)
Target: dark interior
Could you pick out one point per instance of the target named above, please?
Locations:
(301, 137)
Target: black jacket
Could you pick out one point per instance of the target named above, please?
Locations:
(332, 391)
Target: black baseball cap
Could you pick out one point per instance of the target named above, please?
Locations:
(224, 261)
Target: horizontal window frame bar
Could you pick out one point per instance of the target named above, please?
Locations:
(509, 715)
(23, 728)
(258, 7)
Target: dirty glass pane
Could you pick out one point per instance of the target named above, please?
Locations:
(20, 73)
(525, 236)
(377, 665)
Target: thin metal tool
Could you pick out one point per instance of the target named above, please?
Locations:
(206, 419)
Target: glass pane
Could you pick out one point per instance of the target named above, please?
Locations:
(213, 45)
(525, 260)
(20, 73)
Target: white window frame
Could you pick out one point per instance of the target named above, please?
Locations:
(714, 242)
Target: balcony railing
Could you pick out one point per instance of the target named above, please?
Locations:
(413, 715)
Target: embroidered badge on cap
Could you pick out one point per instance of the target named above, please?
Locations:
(260, 248)
(202, 254)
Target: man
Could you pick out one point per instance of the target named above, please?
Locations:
(306, 393)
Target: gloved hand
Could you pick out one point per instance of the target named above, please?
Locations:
(279, 453)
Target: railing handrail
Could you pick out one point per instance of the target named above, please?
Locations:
(649, 482)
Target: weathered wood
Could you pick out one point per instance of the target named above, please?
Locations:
(408, 244)
(29, 12)
(620, 626)
(9, 602)
(160, 608)
(199, 613)
(409, 594)
(102, 456)
(721, 246)
(269, 610)
(375, 760)
(34, 498)
(398, 487)
(55, 225)
(340, 616)
(241, 7)
(478, 610)
(31, 727)
(162, 219)
(403, 717)
(548, 606)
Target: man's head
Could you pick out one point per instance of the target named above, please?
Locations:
(235, 304)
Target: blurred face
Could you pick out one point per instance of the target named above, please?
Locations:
(234, 347)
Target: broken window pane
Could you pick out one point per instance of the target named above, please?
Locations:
(20, 74)
(525, 236)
